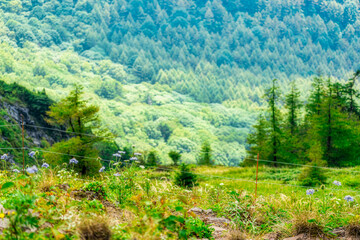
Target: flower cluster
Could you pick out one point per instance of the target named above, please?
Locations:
(349, 198)
(310, 191)
(45, 165)
(32, 154)
(337, 183)
(118, 155)
(4, 157)
(73, 161)
(133, 158)
(32, 170)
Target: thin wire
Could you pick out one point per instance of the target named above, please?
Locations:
(301, 165)
(58, 130)
(9, 125)
(71, 155)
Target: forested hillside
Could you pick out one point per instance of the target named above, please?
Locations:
(154, 66)
(212, 50)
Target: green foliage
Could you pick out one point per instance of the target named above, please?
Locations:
(330, 123)
(96, 187)
(197, 228)
(22, 217)
(205, 157)
(314, 174)
(175, 157)
(152, 158)
(185, 178)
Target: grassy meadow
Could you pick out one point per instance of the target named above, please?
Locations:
(137, 202)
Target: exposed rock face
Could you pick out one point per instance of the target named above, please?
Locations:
(15, 113)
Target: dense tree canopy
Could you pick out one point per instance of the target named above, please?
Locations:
(201, 48)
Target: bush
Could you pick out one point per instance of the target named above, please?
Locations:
(197, 228)
(185, 178)
(96, 187)
(152, 159)
(175, 157)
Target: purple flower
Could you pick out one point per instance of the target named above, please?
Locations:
(102, 169)
(32, 154)
(32, 170)
(349, 198)
(117, 174)
(45, 165)
(337, 183)
(310, 191)
(118, 155)
(133, 158)
(73, 161)
(137, 154)
(121, 152)
(4, 157)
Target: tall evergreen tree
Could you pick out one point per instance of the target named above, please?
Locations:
(272, 96)
(293, 105)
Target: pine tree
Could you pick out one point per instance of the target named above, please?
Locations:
(258, 140)
(272, 96)
(205, 154)
(293, 105)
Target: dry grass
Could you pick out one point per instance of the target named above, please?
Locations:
(353, 230)
(96, 229)
(237, 235)
(305, 223)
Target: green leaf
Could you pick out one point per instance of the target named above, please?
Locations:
(7, 185)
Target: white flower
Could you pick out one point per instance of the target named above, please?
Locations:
(15, 171)
(221, 184)
(141, 166)
(117, 174)
(102, 169)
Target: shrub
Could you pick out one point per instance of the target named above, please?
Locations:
(96, 187)
(175, 157)
(152, 159)
(185, 178)
(195, 227)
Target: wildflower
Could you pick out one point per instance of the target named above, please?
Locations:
(73, 161)
(121, 152)
(45, 165)
(310, 191)
(32, 154)
(221, 184)
(133, 158)
(118, 155)
(117, 174)
(141, 166)
(32, 170)
(349, 198)
(137, 154)
(102, 169)
(337, 183)
(4, 157)
(2, 215)
(16, 171)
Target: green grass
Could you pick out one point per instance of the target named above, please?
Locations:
(133, 212)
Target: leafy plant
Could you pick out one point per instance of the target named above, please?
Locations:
(185, 178)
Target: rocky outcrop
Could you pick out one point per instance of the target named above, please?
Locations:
(15, 112)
